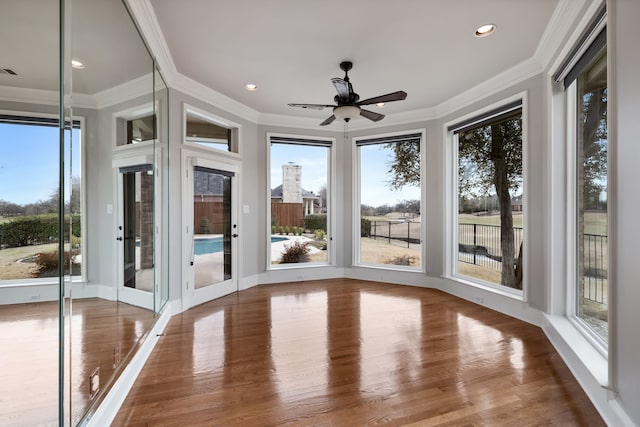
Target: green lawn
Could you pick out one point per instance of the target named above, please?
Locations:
(488, 219)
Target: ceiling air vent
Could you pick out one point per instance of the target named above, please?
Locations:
(8, 71)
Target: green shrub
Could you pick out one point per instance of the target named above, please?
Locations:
(286, 230)
(365, 227)
(281, 229)
(273, 229)
(36, 229)
(295, 252)
(316, 222)
(319, 234)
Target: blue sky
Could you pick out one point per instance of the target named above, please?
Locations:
(374, 178)
(29, 162)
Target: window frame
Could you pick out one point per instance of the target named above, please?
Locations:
(356, 208)
(451, 196)
(330, 144)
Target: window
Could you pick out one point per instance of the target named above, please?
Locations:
(300, 220)
(389, 190)
(490, 188)
(202, 130)
(30, 194)
(589, 93)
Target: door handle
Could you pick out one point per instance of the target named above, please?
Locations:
(119, 239)
(234, 235)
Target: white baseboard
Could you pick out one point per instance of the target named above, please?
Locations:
(284, 275)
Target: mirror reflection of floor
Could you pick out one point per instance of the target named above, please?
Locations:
(100, 330)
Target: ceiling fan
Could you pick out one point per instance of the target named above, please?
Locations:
(348, 102)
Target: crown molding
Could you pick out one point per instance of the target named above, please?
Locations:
(204, 93)
(145, 17)
(43, 97)
(510, 77)
(29, 96)
(556, 31)
(123, 92)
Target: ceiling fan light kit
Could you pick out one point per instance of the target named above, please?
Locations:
(346, 112)
(348, 102)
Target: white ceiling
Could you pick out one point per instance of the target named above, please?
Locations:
(291, 48)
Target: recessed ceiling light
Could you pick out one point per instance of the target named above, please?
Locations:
(251, 86)
(77, 64)
(485, 30)
(380, 104)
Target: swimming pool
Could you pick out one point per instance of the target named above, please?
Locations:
(215, 244)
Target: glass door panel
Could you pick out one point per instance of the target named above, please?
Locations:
(136, 235)
(212, 249)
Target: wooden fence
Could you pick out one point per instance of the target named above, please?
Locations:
(208, 217)
(287, 214)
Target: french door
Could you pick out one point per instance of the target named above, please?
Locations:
(211, 230)
(135, 235)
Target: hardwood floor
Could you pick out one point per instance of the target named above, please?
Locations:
(347, 352)
(29, 355)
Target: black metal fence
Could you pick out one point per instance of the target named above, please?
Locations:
(479, 244)
(395, 232)
(595, 267)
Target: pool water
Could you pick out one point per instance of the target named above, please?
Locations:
(216, 244)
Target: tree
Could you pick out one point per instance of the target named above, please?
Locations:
(593, 150)
(405, 167)
(494, 153)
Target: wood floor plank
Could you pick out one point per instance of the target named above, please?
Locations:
(349, 352)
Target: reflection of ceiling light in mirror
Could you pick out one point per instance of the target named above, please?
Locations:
(77, 64)
(485, 30)
(380, 104)
(251, 86)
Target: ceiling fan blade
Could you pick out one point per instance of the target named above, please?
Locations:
(376, 117)
(342, 87)
(311, 106)
(328, 121)
(395, 96)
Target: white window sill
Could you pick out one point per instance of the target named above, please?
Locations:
(573, 340)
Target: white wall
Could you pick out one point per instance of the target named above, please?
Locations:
(624, 104)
